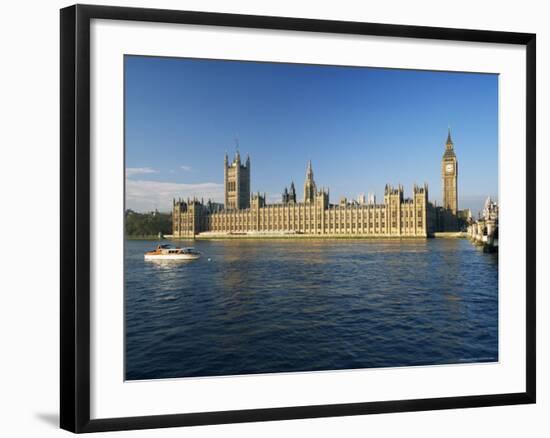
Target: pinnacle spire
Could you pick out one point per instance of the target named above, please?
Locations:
(237, 154)
(309, 169)
(449, 141)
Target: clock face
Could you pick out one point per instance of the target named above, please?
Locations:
(449, 168)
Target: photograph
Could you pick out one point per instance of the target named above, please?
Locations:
(275, 219)
(284, 218)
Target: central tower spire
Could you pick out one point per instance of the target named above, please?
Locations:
(449, 143)
(309, 185)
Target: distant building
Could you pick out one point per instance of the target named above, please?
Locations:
(490, 210)
(484, 231)
(449, 174)
(371, 199)
(237, 183)
(245, 213)
(448, 217)
(464, 216)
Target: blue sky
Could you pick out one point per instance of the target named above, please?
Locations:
(361, 127)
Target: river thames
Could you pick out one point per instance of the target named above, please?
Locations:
(267, 306)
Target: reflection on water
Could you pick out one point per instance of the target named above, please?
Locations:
(263, 306)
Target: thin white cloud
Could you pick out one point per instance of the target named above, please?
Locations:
(130, 171)
(186, 168)
(151, 195)
(273, 198)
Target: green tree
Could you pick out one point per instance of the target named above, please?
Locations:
(147, 224)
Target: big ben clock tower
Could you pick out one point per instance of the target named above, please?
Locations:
(449, 174)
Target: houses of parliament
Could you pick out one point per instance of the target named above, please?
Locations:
(247, 214)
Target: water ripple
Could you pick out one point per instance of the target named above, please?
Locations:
(282, 306)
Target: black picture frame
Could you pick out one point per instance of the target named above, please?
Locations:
(75, 217)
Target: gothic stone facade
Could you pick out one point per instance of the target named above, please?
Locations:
(236, 179)
(244, 213)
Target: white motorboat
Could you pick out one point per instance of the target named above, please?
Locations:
(170, 252)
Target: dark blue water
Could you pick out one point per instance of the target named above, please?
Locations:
(291, 305)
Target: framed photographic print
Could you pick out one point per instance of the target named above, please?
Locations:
(269, 218)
